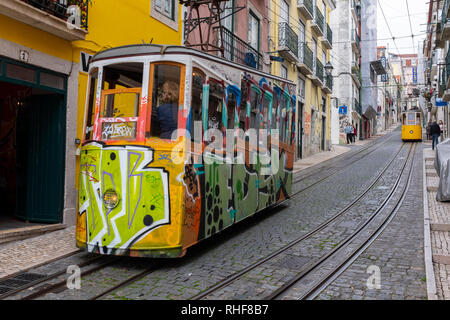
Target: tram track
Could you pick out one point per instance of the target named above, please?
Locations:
(325, 164)
(353, 253)
(60, 286)
(234, 277)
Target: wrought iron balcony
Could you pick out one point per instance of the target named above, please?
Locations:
(237, 50)
(318, 22)
(445, 21)
(306, 7)
(287, 42)
(306, 58)
(317, 77)
(329, 82)
(356, 74)
(357, 106)
(58, 8)
(356, 41)
(327, 39)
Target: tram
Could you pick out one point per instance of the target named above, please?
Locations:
(412, 125)
(145, 191)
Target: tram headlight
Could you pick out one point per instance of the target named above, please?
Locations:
(411, 132)
(110, 199)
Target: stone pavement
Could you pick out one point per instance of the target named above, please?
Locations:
(438, 214)
(25, 254)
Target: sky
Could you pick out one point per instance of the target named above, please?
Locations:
(396, 12)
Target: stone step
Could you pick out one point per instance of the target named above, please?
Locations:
(432, 188)
(442, 259)
(27, 232)
(445, 227)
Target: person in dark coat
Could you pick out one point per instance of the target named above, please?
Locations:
(167, 113)
(435, 132)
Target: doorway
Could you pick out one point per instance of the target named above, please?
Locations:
(32, 153)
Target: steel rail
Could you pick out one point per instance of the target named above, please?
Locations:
(48, 288)
(331, 276)
(312, 266)
(276, 253)
(317, 169)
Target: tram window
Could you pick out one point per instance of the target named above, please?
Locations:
(215, 105)
(411, 119)
(274, 112)
(198, 78)
(231, 107)
(116, 79)
(283, 118)
(255, 98)
(404, 119)
(165, 100)
(417, 118)
(243, 106)
(265, 113)
(91, 104)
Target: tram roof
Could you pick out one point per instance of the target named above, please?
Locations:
(154, 49)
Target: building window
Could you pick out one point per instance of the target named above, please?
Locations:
(166, 7)
(253, 31)
(283, 72)
(166, 11)
(301, 89)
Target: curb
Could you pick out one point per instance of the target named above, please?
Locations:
(429, 270)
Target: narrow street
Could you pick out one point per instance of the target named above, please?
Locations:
(350, 215)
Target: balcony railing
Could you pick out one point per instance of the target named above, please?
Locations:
(319, 70)
(58, 8)
(236, 50)
(308, 4)
(307, 55)
(357, 106)
(329, 81)
(356, 38)
(287, 38)
(329, 34)
(318, 19)
(444, 14)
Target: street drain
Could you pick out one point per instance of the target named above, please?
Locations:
(19, 281)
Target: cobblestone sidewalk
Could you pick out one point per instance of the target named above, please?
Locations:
(439, 217)
(25, 254)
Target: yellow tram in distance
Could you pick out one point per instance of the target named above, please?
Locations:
(135, 197)
(412, 125)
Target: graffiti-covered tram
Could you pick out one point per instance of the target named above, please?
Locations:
(144, 190)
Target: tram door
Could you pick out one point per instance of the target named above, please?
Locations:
(40, 142)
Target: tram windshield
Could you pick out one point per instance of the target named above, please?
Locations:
(120, 100)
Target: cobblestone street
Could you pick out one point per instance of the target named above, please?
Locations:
(332, 201)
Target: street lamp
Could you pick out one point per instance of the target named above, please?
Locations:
(328, 68)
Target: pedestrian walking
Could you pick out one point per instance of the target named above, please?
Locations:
(349, 132)
(435, 132)
(428, 130)
(355, 133)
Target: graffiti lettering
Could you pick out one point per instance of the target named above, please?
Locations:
(119, 130)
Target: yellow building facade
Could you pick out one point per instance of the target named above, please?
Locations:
(301, 35)
(43, 84)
